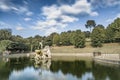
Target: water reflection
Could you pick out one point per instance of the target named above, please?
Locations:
(27, 69)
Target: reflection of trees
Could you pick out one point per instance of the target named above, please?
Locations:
(4, 71)
(8, 65)
(76, 68)
(19, 63)
(101, 72)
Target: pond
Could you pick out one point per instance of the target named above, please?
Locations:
(26, 69)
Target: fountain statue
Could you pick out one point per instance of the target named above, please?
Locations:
(42, 53)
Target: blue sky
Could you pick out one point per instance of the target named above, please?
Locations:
(42, 17)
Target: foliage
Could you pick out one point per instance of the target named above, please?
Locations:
(33, 43)
(79, 39)
(90, 24)
(5, 34)
(98, 36)
(87, 34)
(56, 39)
(65, 38)
(113, 31)
(4, 44)
(17, 38)
(17, 47)
(109, 34)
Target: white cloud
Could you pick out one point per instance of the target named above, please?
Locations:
(6, 5)
(29, 13)
(22, 10)
(57, 17)
(50, 30)
(4, 25)
(68, 19)
(111, 2)
(94, 14)
(19, 28)
(109, 20)
(80, 6)
(118, 15)
(105, 3)
(51, 12)
(27, 19)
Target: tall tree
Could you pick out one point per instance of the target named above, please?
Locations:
(65, 38)
(4, 44)
(79, 39)
(113, 31)
(98, 36)
(5, 34)
(90, 24)
(87, 34)
(49, 39)
(56, 39)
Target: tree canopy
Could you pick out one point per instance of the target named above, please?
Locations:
(90, 24)
(97, 36)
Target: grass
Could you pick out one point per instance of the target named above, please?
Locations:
(107, 48)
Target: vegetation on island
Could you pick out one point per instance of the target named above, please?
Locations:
(97, 35)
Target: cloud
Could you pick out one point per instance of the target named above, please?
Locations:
(29, 13)
(22, 10)
(4, 25)
(66, 19)
(51, 12)
(56, 17)
(6, 5)
(51, 30)
(80, 7)
(118, 15)
(27, 19)
(109, 20)
(105, 3)
(19, 28)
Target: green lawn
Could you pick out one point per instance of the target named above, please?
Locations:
(107, 48)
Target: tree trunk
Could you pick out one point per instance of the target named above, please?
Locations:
(31, 48)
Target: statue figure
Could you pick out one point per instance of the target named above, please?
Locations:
(41, 45)
(43, 53)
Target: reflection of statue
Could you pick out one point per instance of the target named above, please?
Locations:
(6, 59)
(43, 64)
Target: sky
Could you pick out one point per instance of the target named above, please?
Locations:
(43, 17)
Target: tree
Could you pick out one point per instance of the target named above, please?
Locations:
(90, 24)
(30, 43)
(65, 38)
(109, 34)
(4, 44)
(49, 39)
(113, 31)
(15, 46)
(18, 38)
(79, 39)
(116, 28)
(72, 34)
(98, 36)
(5, 34)
(87, 34)
(56, 39)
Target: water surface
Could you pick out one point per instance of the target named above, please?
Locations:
(27, 69)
